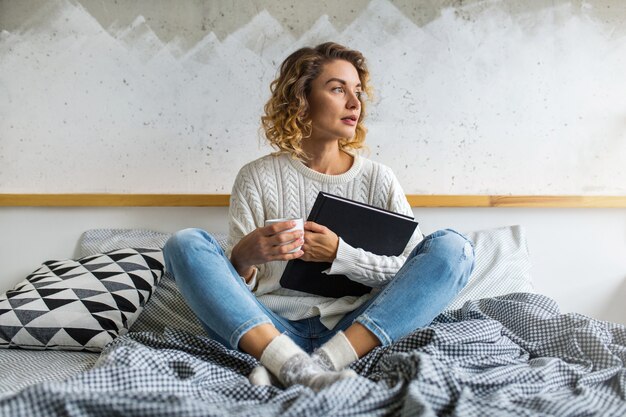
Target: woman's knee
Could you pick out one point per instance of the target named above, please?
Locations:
(451, 245)
(188, 239)
(455, 253)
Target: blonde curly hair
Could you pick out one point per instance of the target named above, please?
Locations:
(286, 120)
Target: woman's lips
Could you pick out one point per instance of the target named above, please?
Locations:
(349, 121)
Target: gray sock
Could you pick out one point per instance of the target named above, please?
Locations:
(321, 358)
(292, 365)
(302, 369)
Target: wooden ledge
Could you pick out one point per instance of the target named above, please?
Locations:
(222, 200)
(555, 201)
(115, 200)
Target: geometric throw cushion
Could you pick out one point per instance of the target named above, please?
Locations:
(80, 304)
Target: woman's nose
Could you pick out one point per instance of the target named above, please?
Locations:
(353, 102)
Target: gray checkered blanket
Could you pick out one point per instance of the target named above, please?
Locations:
(514, 355)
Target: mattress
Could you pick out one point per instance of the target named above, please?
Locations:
(21, 368)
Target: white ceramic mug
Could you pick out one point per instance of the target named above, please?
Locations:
(299, 226)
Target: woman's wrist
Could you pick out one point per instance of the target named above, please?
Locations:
(246, 271)
(241, 269)
(248, 274)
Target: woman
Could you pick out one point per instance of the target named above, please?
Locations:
(315, 120)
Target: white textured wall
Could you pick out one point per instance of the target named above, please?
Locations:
(477, 99)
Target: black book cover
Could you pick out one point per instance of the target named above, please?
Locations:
(361, 226)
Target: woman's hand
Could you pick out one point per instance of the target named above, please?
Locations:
(266, 244)
(320, 243)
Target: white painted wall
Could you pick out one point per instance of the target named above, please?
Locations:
(578, 255)
(482, 97)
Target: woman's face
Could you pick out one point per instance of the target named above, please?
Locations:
(334, 105)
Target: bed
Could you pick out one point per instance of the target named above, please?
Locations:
(498, 349)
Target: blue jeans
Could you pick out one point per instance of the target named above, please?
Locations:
(433, 274)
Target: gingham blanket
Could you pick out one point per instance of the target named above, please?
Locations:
(514, 355)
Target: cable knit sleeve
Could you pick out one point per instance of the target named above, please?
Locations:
(245, 214)
(366, 267)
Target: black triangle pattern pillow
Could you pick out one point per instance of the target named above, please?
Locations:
(80, 304)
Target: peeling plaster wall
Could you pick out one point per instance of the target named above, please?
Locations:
(472, 97)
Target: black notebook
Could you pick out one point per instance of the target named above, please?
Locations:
(361, 226)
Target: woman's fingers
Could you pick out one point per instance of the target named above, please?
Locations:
(288, 256)
(314, 227)
(274, 243)
(284, 252)
(286, 237)
(290, 246)
(276, 228)
(277, 233)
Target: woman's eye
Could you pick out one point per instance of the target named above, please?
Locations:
(338, 89)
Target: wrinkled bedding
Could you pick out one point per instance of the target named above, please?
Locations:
(513, 355)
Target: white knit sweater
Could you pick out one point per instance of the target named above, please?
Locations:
(281, 187)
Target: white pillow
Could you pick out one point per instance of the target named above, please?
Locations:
(501, 265)
(95, 241)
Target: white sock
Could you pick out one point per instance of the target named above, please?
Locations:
(335, 354)
(292, 365)
(261, 376)
(279, 351)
